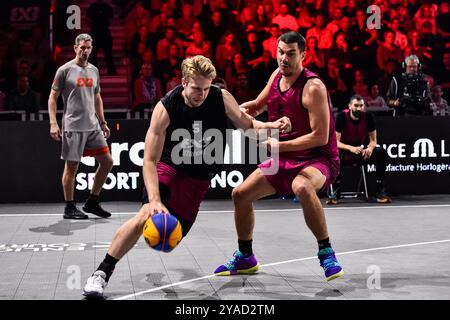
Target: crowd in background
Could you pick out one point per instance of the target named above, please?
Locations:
(241, 39)
(344, 46)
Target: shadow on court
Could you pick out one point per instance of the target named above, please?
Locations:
(65, 227)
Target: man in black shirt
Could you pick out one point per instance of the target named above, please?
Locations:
(176, 171)
(409, 93)
(356, 136)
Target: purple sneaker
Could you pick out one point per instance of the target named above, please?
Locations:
(238, 265)
(330, 264)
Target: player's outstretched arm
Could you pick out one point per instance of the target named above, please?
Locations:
(154, 143)
(244, 121)
(259, 105)
(315, 100)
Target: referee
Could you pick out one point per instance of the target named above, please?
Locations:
(84, 129)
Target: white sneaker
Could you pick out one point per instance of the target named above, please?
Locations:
(95, 285)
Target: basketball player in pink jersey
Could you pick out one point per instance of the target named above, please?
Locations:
(308, 156)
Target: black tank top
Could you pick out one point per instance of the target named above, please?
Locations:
(188, 138)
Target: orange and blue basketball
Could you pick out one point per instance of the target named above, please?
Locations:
(162, 232)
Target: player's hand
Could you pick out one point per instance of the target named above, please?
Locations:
(55, 132)
(250, 111)
(356, 150)
(283, 124)
(106, 131)
(367, 153)
(271, 144)
(154, 207)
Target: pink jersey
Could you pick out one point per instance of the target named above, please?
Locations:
(289, 104)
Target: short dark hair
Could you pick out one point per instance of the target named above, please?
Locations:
(355, 97)
(293, 36)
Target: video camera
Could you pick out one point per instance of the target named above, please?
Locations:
(414, 98)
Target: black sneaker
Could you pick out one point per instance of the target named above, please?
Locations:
(74, 213)
(93, 206)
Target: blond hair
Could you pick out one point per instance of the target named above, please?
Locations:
(197, 66)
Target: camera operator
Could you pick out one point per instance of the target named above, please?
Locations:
(409, 93)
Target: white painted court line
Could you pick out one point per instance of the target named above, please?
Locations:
(231, 211)
(133, 295)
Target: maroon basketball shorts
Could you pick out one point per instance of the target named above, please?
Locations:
(180, 193)
(290, 168)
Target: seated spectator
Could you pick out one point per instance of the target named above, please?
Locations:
(400, 39)
(162, 48)
(261, 20)
(426, 13)
(174, 81)
(304, 20)
(36, 65)
(144, 56)
(23, 97)
(316, 7)
(283, 19)
(439, 105)
(388, 50)
(196, 47)
(226, 50)
(341, 51)
(356, 136)
(147, 89)
(335, 85)
(133, 19)
(158, 23)
(416, 48)
(166, 68)
(196, 27)
(245, 16)
(404, 19)
(314, 58)
(171, 7)
(334, 24)
(242, 92)
(207, 50)
(213, 25)
(269, 9)
(345, 25)
(220, 82)
(40, 43)
(441, 74)
(271, 44)
(139, 38)
(360, 87)
(238, 65)
(375, 100)
(385, 80)
(349, 9)
(443, 20)
(324, 35)
(184, 24)
(263, 70)
(252, 49)
(363, 44)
